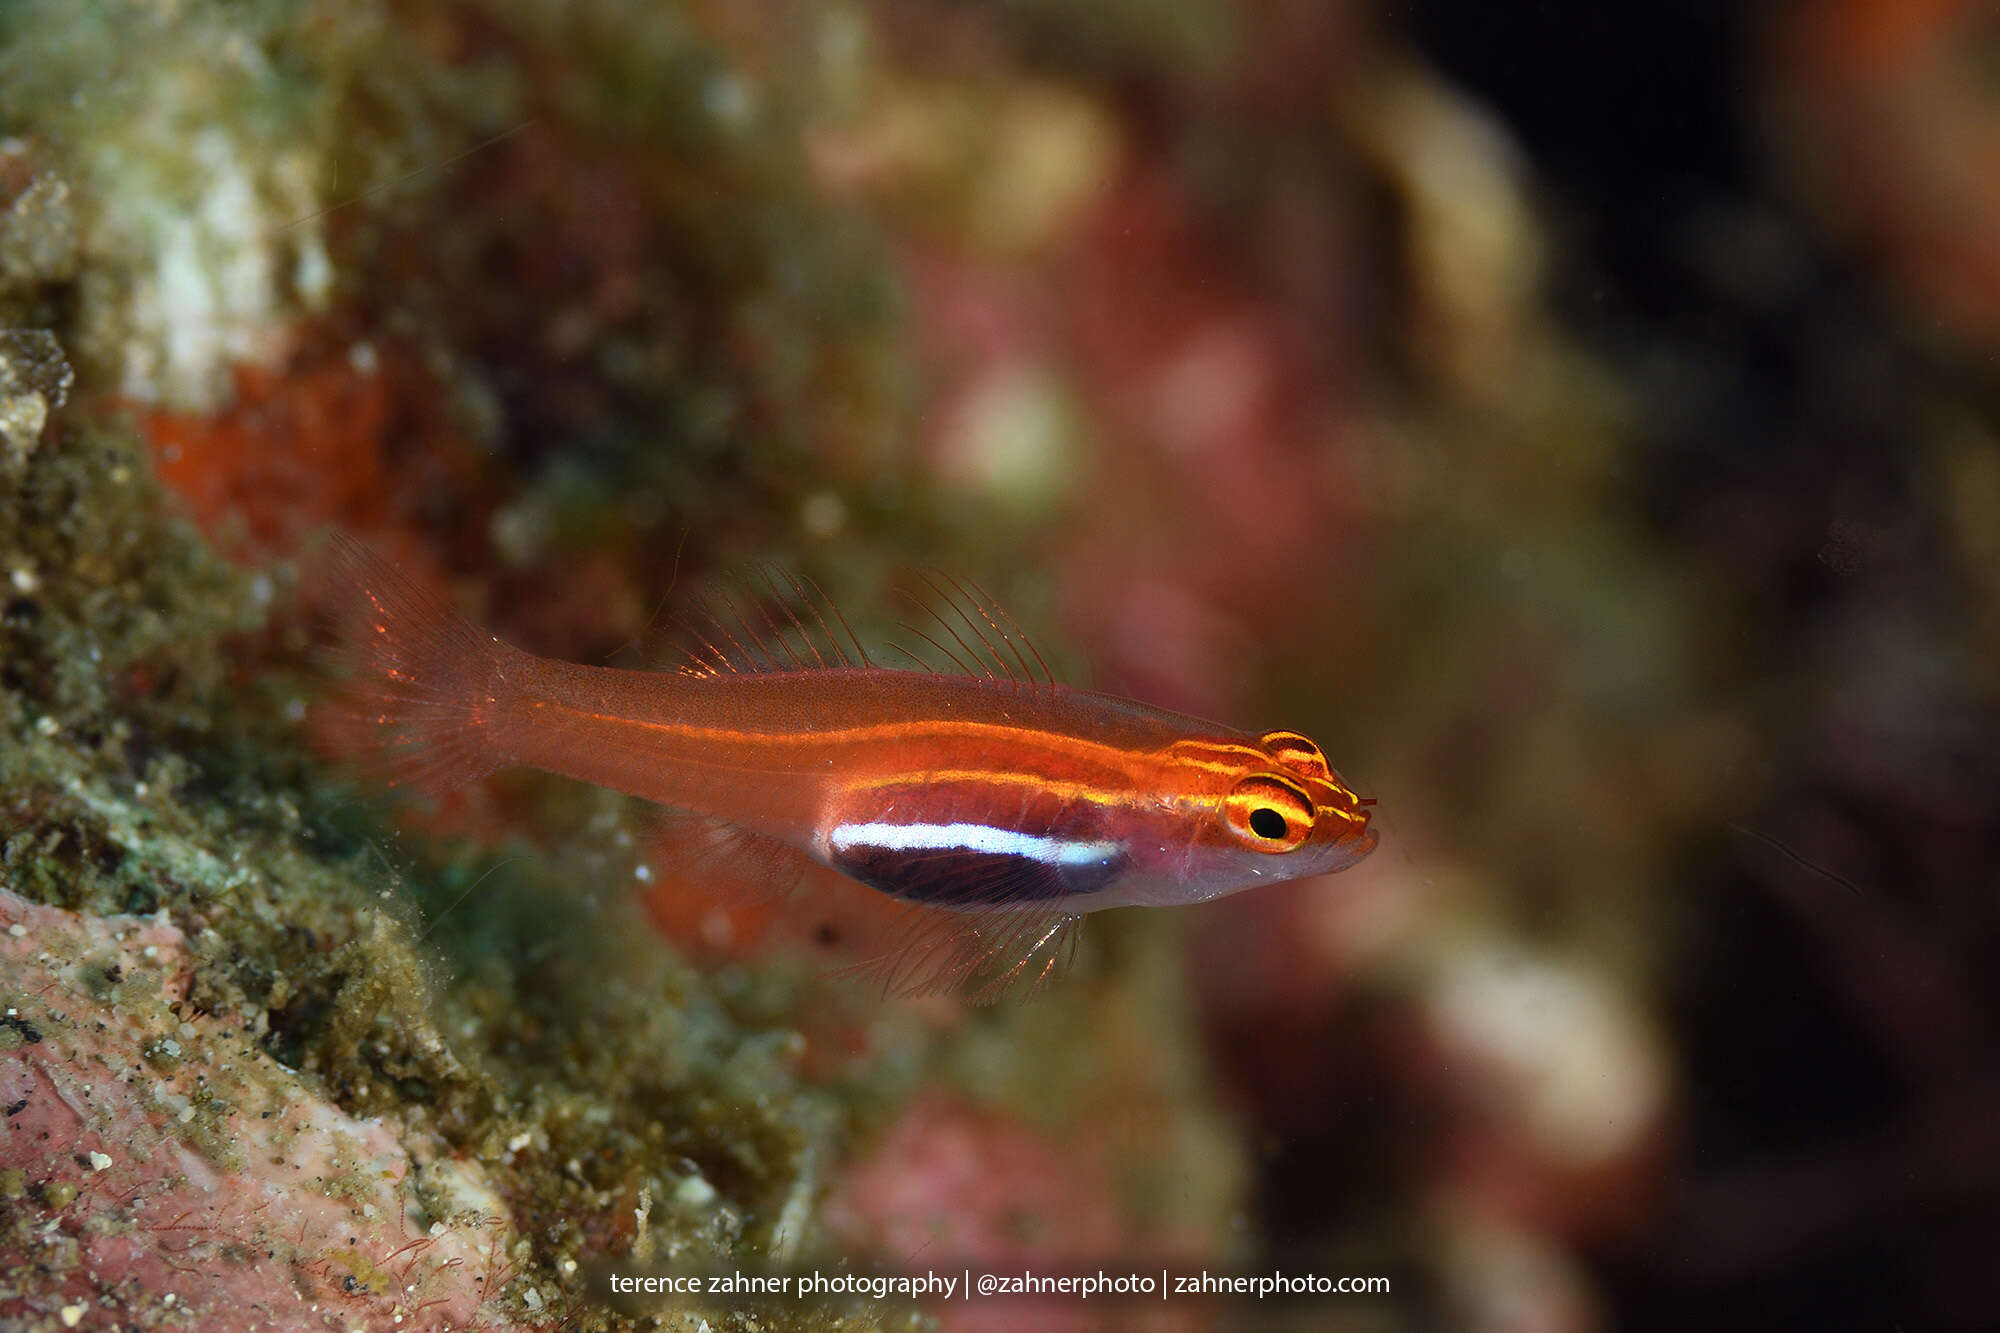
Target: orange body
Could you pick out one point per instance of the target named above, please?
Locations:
(1015, 802)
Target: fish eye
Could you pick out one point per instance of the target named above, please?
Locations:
(1267, 823)
(1269, 812)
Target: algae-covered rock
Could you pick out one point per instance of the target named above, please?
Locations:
(34, 381)
(523, 293)
(38, 239)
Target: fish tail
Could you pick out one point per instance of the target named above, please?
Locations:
(424, 685)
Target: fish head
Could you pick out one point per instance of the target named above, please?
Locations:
(1264, 810)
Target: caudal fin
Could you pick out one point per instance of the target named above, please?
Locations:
(422, 681)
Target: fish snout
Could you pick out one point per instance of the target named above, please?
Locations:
(1351, 816)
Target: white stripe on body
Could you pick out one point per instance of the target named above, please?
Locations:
(972, 838)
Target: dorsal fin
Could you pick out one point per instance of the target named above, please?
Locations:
(766, 621)
(769, 620)
(972, 632)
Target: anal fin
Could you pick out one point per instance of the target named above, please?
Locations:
(981, 956)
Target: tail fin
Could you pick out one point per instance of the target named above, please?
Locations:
(422, 680)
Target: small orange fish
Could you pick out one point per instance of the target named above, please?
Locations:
(1012, 803)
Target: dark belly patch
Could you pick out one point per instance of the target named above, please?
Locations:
(931, 864)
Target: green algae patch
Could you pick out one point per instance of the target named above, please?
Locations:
(357, 1273)
(58, 1195)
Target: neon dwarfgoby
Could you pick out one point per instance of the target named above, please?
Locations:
(1011, 804)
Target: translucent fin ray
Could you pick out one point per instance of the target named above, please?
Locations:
(989, 642)
(767, 621)
(419, 675)
(983, 957)
(739, 867)
(770, 620)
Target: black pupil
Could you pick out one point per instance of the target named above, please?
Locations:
(1267, 823)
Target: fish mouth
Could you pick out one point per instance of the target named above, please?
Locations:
(1355, 812)
(1355, 837)
(1359, 838)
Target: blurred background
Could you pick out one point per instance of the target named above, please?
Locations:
(1582, 420)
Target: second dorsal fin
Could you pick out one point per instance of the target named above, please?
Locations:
(768, 620)
(974, 633)
(772, 621)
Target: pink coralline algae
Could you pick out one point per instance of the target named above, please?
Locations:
(157, 1163)
(949, 1185)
